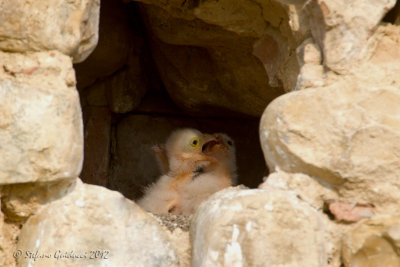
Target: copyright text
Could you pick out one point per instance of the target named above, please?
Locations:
(60, 254)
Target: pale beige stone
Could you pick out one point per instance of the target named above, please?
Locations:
(8, 240)
(346, 134)
(312, 190)
(41, 135)
(181, 243)
(20, 201)
(258, 227)
(92, 218)
(315, 192)
(68, 26)
(373, 243)
(344, 130)
(342, 32)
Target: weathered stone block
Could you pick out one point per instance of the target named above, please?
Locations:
(41, 137)
(259, 227)
(373, 243)
(68, 26)
(346, 134)
(92, 218)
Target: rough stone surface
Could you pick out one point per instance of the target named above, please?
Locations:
(201, 69)
(178, 232)
(344, 33)
(315, 192)
(40, 118)
(68, 26)
(181, 242)
(206, 87)
(373, 243)
(8, 240)
(345, 130)
(97, 145)
(20, 201)
(120, 43)
(133, 165)
(310, 189)
(126, 88)
(351, 142)
(259, 227)
(92, 218)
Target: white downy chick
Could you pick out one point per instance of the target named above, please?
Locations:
(183, 151)
(214, 177)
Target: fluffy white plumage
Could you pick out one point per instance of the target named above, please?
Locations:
(215, 176)
(191, 172)
(182, 155)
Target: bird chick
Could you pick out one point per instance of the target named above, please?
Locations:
(216, 176)
(227, 157)
(183, 155)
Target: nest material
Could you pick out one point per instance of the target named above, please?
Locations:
(173, 221)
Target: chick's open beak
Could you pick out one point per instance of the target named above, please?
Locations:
(212, 146)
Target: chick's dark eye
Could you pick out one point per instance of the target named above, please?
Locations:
(230, 143)
(195, 142)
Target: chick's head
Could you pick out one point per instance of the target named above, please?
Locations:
(184, 150)
(223, 150)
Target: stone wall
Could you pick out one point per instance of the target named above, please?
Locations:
(86, 90)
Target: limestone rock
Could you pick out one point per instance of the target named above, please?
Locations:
(343, 33)
(8, 240)
(177, 227)
(119, 43)
(310, 189)
(346, 134)
(92, 218)
(67, 26)
(201, 68)
(126, 88)
(315, 192)
(206, 87)
(259, 227)
(97, 145)
(345, 130)
(40, 118)
(20, 201)
(181, 242)
(373, 243)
